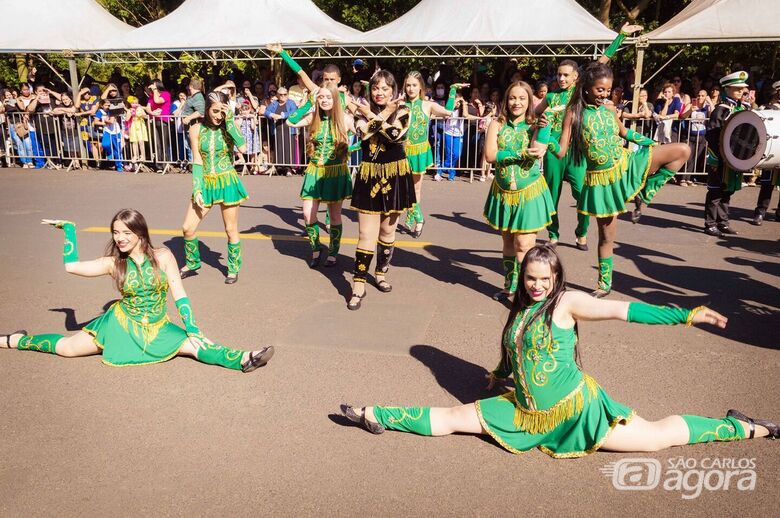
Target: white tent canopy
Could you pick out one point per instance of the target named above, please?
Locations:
(233, 24)
(721, 21)
(46, 26)
(491, 22)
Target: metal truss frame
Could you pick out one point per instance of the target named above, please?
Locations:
(490, 50)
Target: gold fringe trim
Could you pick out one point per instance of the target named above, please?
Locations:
(417, 149)
(328, 171)
(610, 175)
(542, 421)
(519, 196)
(147, 331)
(221, 180)
(388, 170)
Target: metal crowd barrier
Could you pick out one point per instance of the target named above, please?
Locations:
(161, 144)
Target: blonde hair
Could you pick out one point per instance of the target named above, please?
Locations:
(338, 130)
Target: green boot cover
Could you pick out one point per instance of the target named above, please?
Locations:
(234, 257)
(215, 354)
(605, 273)
(509, 262)
(654, 183)
(41, 343)
(327, 217)
(418, 215)
(413, 419)
(313, 233)
(707, 429)
(192, 253)
(335, 239)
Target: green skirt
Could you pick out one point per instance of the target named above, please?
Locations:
(223, 188)
(522, 211)
(328, 183)
(127, 342)
(420, 157)
(605, 193)
(585, 429)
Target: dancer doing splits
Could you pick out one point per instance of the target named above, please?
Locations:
(214, 182)
(327, 178)
(614, 175)
(555, 406)
(135, 330)
(519, 203)
(383, 185)
(418, 148)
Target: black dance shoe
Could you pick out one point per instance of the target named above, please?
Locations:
(774, 429)
(600, 293)
(231, 279)
(22, 332)
(349, 413)
(356, 305)
(186, 273)
(257, 359)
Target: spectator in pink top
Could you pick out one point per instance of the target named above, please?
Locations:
(163, 128)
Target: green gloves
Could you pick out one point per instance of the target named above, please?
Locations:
(451, 99)
(638, 138)
(288, 59)
(543, 135)
(615, 45)
(197, 179)
(187, 317)
(70, 250)
(642, 313)
(296, 116)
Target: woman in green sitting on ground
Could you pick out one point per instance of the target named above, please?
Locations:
(214, 182)
(136, 329)
(327, 178)
(555, 406)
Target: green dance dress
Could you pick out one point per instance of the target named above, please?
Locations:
(519, 200)
(614, 174)
(555, 406)
(220, 183)
(418, 148)
(136, 330)
(327, 177)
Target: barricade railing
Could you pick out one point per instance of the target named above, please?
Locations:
(130, 142)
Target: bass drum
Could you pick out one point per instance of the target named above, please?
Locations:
(751, 140)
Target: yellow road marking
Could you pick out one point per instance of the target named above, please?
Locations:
(262, 237)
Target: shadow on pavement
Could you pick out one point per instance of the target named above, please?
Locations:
(750, 305)
(70, 316)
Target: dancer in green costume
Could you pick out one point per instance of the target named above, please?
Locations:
(559, 170)
(327, 178)
(418, 148)
(555, 407)
(519, 203)
(214, 182)
(614, 175)
(135, 330)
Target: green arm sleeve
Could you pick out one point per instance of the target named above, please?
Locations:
(70, 250)
(288, 59)
(296, 116)
(553, 145)
(232, 129)
(451, 99)
(187, 316)
(642, 313)
(543, 135)
(505, 157)
(197, 179)
(638, 138)
(615, 45)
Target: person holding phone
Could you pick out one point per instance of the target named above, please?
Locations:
(214, 182)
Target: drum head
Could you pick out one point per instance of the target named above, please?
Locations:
(743, 140)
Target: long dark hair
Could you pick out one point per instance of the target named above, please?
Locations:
(136, 222)
(541, 254)
(592, 73)
(213, 98)
(391, 82)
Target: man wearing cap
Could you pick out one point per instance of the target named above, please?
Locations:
(722, 180)
(770, 178)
